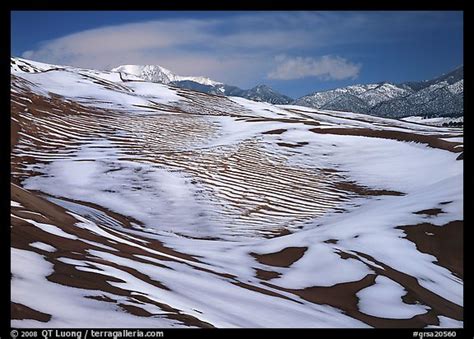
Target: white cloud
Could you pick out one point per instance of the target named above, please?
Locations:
(117, 42)
(326, 67)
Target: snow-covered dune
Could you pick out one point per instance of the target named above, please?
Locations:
(138, 204)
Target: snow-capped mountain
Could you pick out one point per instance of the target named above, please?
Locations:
(155, 73)
(267, 94)
(357, 98)
(442, 96)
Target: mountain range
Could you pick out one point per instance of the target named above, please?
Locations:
(438, 97)
(442, 96)
(155, 73)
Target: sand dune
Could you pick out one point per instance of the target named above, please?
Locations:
(144, 205)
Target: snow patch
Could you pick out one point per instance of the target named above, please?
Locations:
(43, 246)
(384, 300)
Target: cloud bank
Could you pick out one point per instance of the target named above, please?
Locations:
(326, 68)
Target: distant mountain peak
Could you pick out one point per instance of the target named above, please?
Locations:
(265, 93)
(157, 73)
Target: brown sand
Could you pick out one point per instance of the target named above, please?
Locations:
(283, 258)
(19, 311)
(444, 242)
(432, 141)
(431, 211)
(275, 131)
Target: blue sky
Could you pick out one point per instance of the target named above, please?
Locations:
(294, 52)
